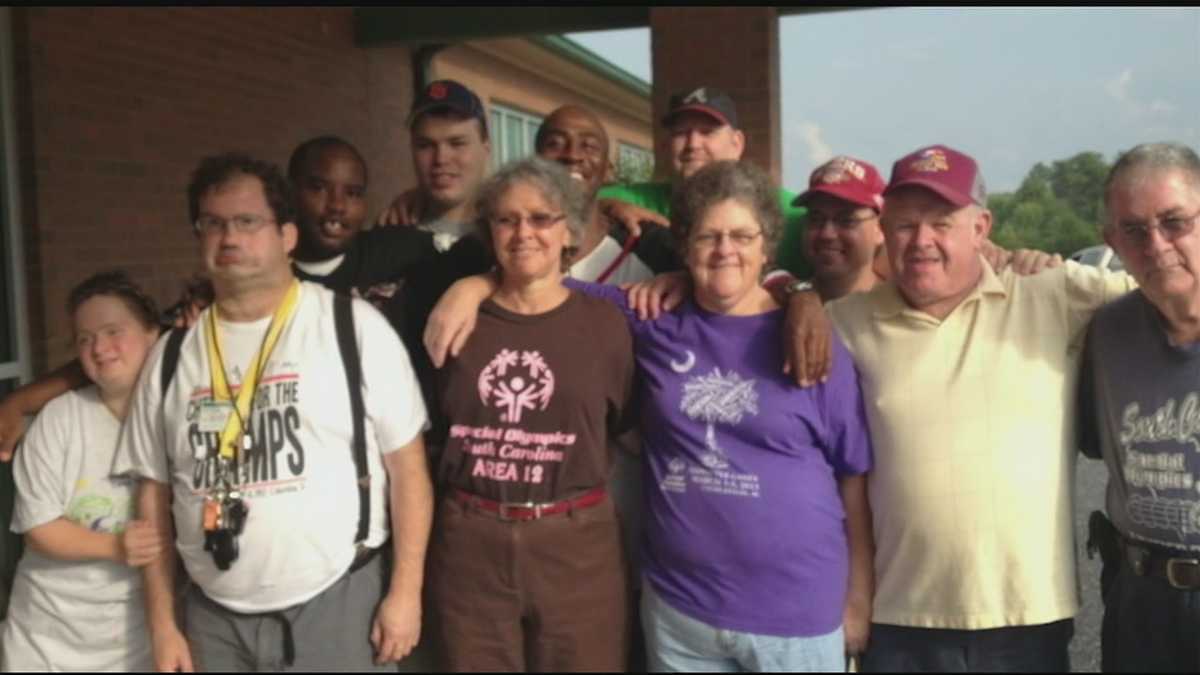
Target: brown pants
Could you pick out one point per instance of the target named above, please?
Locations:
(536, 596)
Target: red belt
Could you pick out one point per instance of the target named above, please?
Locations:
(529, 510)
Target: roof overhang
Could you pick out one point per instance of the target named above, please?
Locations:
(375, 26)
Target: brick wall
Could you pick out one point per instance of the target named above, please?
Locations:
(117, 105)
(735, 49)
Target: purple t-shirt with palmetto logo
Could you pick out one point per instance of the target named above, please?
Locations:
(745, 528)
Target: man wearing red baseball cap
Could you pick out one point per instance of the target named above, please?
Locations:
(842, 237)
(968, 380)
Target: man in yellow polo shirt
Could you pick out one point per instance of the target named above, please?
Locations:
(968, 376)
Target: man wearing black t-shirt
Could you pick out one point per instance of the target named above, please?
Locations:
(397, 269)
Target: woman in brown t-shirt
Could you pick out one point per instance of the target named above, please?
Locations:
(526, 565)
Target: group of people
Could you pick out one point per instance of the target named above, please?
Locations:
(837, 423)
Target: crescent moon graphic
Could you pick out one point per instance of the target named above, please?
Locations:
(687, 364)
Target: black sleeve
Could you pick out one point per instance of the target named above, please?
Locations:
(391, 253)
(425, 287)
(1087, 422)
(657, 248)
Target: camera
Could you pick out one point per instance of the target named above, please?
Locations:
(221, 541)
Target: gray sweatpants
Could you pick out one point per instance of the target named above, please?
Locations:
(331, 632)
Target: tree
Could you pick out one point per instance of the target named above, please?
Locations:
(717, 398)
(1057, 208)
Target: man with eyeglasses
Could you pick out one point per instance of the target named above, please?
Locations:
(968, 378)
(250, 441)
(1139, 410)
(842, 239)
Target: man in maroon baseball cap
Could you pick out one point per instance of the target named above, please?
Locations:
(842, 237)
(935, 226)
(972, 385)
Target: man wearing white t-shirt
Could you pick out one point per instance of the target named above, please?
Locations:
(263, 486)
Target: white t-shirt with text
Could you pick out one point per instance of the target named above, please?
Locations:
(299, 480)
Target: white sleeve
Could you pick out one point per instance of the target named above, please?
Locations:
(391, 394)
(142, 450)
(39, 468)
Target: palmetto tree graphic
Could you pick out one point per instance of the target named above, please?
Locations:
(717, 398)
(515, 393)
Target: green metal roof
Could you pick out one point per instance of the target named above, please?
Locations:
(577, 53)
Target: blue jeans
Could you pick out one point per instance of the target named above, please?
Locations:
(676, 643)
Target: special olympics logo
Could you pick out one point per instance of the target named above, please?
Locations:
(516, 381)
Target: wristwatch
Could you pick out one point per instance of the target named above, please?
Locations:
(799, 286)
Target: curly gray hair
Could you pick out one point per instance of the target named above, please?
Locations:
(741, 181)
(556, 186)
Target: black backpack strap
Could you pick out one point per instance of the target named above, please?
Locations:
(170, 360)
(343, 319)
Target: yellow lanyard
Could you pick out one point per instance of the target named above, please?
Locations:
(233, 431)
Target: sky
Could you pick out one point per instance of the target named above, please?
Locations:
(1009, 86)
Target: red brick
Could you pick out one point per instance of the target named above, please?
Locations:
(735, 49)
(120, 104)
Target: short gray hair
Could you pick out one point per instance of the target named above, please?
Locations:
(1153, 156)
(742, 182)
(556, 186)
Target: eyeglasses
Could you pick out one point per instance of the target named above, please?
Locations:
(1172, 228)
(538, 221)
(842, 221)
(739, 238)
(243, 223)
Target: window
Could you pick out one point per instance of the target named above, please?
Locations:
(512, 133)
(634, 164)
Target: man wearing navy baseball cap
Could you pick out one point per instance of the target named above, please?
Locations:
(968, 380)
(451, 153)
(702, 126)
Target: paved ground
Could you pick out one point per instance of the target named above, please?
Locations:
(1090, 478)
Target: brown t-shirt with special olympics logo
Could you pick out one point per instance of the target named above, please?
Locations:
(532, 399)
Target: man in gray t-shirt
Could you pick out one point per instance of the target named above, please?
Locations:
(1140, 411)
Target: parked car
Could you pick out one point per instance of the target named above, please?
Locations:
(1100, 256)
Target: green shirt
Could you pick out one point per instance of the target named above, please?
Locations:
(657, 197)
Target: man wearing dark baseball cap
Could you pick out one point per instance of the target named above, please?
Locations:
(970, 401)
(451, 153)
(702, 126)
(444, 96)
(842, 237)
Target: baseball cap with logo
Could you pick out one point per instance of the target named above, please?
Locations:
(707, 100)
(448, 95)
(846, 178)
(954, 176)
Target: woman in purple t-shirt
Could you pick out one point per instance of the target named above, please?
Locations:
(757, 553)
